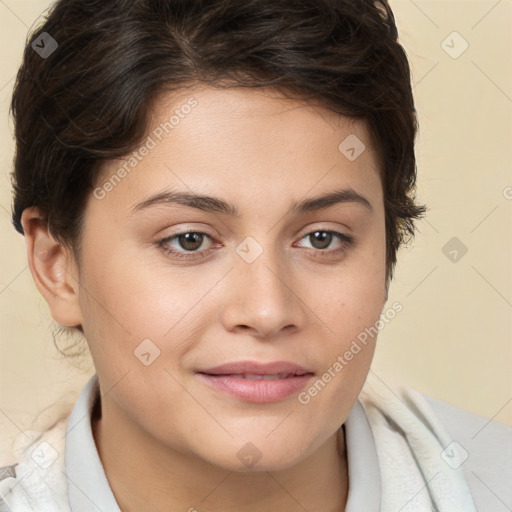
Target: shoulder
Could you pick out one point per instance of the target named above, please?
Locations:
(485, 450)
(36, 480)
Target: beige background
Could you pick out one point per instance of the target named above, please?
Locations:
(452, 340)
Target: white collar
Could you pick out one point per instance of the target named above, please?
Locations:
(88, 487)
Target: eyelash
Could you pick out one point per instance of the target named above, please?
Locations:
(346, 242)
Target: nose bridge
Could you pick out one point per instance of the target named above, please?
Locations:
(262, 296)
(261, 272)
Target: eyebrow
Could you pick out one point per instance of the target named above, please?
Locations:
(217, 205)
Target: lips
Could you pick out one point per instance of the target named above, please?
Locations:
(257, 382)
(273, 368)
(250, 376)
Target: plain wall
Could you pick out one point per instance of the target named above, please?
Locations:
(452, 340)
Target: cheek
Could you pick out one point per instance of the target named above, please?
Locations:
(128, 293)
(350, 305)
(354, 295)
(130, 309)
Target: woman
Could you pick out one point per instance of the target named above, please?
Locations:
(214, 194)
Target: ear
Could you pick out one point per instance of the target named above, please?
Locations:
(53, 268)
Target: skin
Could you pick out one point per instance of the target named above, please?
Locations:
(294, 302)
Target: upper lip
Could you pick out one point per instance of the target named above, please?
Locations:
(256, 368)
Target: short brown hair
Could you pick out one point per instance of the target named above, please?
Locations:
(89, 100)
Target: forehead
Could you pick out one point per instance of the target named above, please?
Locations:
(241, 142)
(263, 112)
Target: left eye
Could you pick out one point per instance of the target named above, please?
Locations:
(322, 239)
(190, 241)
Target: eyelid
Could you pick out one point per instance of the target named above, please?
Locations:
(322, 226)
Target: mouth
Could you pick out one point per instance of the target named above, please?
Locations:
(253, 376)
(257, 382)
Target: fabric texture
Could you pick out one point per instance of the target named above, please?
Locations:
(420, 465)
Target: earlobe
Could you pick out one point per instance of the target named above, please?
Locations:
(53, 269)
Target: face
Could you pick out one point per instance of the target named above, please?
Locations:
(261, 278)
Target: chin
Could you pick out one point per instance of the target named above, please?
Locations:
(251, 457)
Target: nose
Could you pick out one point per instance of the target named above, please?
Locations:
(263, 297)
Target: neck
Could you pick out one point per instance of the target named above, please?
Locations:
(149, 476)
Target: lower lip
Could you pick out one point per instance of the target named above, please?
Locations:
(257, 391)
